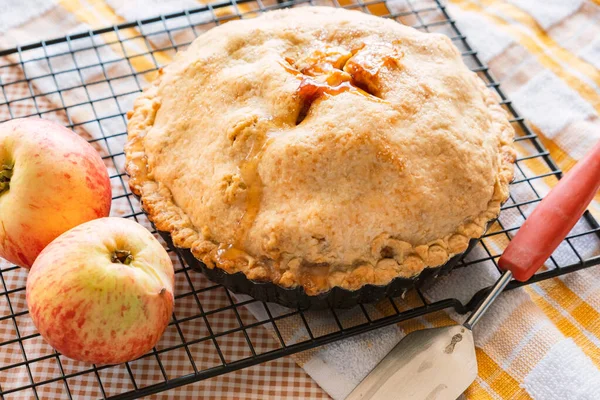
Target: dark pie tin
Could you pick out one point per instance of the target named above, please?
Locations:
(297, 297)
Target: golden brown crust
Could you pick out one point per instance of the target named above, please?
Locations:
(284, 184)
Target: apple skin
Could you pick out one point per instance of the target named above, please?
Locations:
(58, 181)
(95, 310)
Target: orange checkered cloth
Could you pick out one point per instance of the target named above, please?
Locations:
(540, 342)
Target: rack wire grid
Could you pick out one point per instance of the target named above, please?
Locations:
(88, 81)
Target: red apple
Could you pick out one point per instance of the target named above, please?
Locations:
(102, 292)
(50, 181)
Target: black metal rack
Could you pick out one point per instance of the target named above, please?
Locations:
(197, 331)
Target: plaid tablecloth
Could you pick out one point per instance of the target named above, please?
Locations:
(541, 342)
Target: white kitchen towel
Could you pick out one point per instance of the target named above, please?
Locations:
(17, 12)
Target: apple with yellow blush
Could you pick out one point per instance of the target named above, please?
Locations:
(102, 292)
(51, 180)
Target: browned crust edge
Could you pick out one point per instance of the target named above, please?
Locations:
(407, 260)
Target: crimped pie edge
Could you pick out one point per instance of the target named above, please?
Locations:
(408, 260)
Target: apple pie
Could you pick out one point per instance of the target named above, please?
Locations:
(317, 147)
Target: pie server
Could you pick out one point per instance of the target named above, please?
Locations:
(440, 363)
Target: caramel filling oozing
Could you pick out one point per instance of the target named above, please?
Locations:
(331, 71)
(327, 71)
(251, 177)
(227, 253)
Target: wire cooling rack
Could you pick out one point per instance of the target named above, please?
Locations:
(212, 330)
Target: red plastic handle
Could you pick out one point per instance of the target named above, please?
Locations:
(553, 218)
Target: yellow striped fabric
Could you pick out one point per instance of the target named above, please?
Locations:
(559, 301)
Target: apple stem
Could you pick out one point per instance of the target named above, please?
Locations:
(122, 257)
(5, 175)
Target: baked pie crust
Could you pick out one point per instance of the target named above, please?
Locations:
(320, 147)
